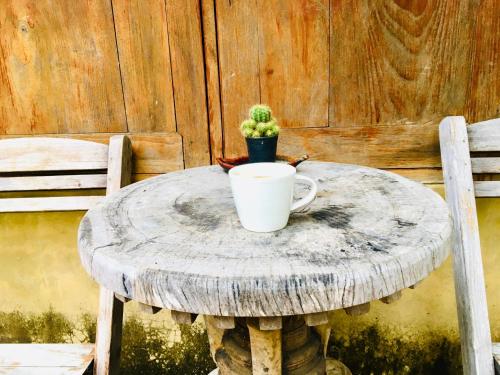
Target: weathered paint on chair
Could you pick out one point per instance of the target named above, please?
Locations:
(455, 138)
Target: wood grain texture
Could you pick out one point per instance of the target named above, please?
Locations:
(483, 95)
(266, 351)
(487, 189)
(59, 68)
(51, 154)
(138, 242)
(223, 322)
(467, 263)
(80, 203)
(212, 78)
(186, 51)
(110, 316)
(45, 358)
(316, 319)
(152, 153)
(485, 165)
(404, 55)
(108, 334)
(142, 40)
(269, 323)
(71, 182)
(397, 146)
(119, 163)
(484, 135)
(293, 60)
(238, 68)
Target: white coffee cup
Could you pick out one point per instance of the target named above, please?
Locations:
(263, 194)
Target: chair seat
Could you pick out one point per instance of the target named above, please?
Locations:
(496, 356)
(45, 359)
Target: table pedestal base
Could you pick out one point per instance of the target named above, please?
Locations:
(294, 350)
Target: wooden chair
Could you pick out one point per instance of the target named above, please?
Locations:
(457, 140)
(34, 164)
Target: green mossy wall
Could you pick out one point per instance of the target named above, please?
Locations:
(46, 296)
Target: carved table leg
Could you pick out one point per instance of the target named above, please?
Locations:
(248, 349)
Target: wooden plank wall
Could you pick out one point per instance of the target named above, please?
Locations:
(356, 81)
(362, 81)
(92, 69)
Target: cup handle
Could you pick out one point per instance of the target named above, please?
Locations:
(309, 197)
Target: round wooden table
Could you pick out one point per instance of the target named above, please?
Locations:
(175, 242)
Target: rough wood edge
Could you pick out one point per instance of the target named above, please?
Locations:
(467, 264)
(316, 319)
(79, 203)
(270, 323)
(58, 182)
(391, 298)
(181, 317)
(223, 322)
(214, 334)
(484, 135)
(212, 78)
(485, 165)
(121, 298)
(487, 189)
(148, 309)
(108, 334)
(119, 163)
(357, 310)
(266, 348)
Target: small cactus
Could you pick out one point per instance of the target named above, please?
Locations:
(260, 113)
(260, 124)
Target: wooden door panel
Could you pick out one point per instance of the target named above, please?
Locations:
(59, 68)
(399, 61)
(293, 60)
(142, 41)
(274, 52)
(395, 68)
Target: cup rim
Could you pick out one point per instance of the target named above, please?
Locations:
(235, 171)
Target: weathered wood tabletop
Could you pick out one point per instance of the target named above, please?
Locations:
(174, 241)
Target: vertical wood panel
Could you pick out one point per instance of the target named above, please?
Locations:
(399, 61)
(59, 68)
(186, 48)
(484, 95)
(275, 52)
(212, 77)
(293, 60)
(239, 68)
(142, 39)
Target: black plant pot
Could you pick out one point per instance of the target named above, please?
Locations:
(262, 150)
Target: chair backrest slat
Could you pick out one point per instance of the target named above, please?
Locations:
(64, 182)
(486, 165)
(51, 154)
(485, 189)
(477, 357)
(34, 164)
(49, 204)
(484, 136)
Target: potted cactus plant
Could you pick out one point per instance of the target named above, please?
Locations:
(261, 133)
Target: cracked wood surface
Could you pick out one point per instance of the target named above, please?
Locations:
(175, 241)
